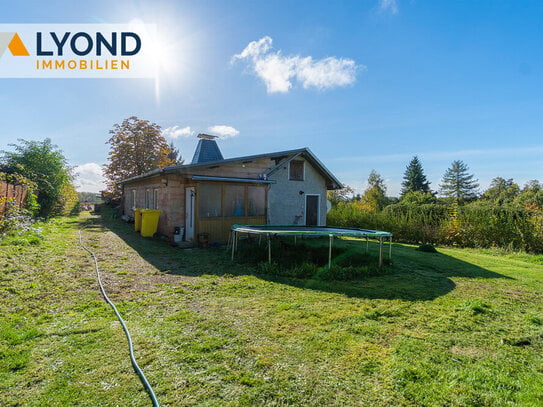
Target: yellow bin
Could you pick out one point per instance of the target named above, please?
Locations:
(137, 219)
(149, 221)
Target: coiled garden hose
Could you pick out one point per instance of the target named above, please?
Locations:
(129, 339)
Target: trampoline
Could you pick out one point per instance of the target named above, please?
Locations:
(298, 230)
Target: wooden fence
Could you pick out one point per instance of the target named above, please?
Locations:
(12, 192)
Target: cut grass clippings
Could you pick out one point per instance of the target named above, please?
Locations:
(457, 327)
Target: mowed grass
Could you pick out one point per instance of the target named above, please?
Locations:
(458, 327)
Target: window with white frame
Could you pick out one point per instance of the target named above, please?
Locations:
(155, 198)
(133, 198)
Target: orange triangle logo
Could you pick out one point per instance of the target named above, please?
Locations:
(17, 47)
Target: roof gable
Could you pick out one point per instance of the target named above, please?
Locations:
(280, 158)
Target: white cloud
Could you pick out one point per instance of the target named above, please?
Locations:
(223, 131)
(255, 48)
(89, 178)
(325, 73)
(278, 71)
(177, 131)
(390, 6)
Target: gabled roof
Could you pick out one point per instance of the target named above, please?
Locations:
(280, 157)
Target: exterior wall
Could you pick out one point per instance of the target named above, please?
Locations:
(219, 228)
(285, 203)
(171, 200)
(237, 169)
(174, 204)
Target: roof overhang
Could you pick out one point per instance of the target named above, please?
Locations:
(283, 156)
(230, 179)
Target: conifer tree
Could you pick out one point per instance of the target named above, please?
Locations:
(174, 155)
(414, 178)
(458, 183)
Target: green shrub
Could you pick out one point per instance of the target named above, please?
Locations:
(17, 226)
(428, 248)
(479, 225)
(309, 260)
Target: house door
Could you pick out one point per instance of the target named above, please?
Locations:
(189, 214)
(312, 210)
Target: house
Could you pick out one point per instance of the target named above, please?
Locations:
(212, 193)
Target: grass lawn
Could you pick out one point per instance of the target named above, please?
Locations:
(458, 327)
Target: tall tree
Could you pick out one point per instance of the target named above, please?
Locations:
(458, 183)
(336, 196)
(374, 198)
(136, 147)
(501, 191)
(174, 155)
(43, 163)
(414, 178)
(531, 196)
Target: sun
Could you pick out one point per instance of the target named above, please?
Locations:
(162, 51)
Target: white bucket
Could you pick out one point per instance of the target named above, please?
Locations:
(179, 238)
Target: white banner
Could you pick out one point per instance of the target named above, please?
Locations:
(78, 51)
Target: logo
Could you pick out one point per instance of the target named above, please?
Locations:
(14, 43)
(77, 51)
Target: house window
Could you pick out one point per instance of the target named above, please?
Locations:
(296, 170)
(147, 198)
(234, 200)
(256, 202)
(227, 200)
(210, 200)
(155, 198)
(133, 198)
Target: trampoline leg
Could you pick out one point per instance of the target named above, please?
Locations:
(330, 252)
(367, 245)
(294, 240)
(380, 251)
(259, 239)
(269, 248)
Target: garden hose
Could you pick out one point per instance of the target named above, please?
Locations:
(129, 339)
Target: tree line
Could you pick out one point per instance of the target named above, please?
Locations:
(504, 215)
(457, 185)
(137, 146)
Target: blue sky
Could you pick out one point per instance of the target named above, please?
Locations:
(364, 84)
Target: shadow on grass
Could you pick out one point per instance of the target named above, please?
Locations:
(413, 275)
